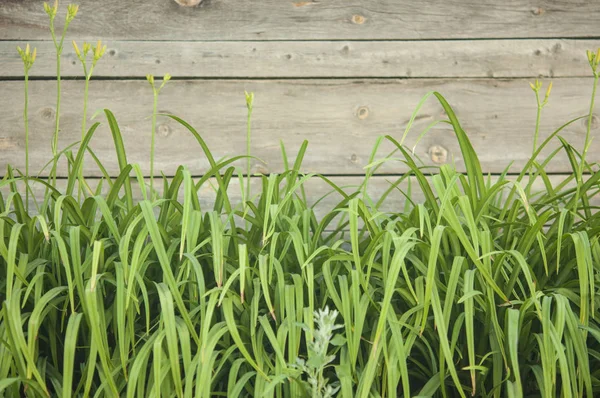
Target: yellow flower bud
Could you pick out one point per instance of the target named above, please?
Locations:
(97, 49)
(150, 79)
(548, 90)
(33, 55)
(71, 12)
(86, 48)
(27, 50)
(166, 78)
(51, 11)
(76, 49)
(249, 99)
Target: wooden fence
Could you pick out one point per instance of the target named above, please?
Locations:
(338, 73)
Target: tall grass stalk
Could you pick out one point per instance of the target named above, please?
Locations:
(97, 53)
(28, 58)
(594, 61)
(249, 105)
(536, 87)
(58, 45)
(155, 92)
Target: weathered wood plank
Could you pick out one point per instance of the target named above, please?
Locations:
(315, 189)
(309, 20)
(462, 58)
(340, 118)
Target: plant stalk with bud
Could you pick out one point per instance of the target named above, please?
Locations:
(156, 91)
(58, 45)
(536, 87)
(97, 53)
(28, 58)
(249, 106)
(594, 61)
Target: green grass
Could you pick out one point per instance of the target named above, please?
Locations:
(486, 287)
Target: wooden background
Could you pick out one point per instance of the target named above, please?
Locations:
(338, 73)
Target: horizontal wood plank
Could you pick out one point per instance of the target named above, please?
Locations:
(307, 20)
(462, 58)
(341, 119)
(316, 189)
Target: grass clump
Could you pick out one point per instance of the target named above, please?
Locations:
(487, 287)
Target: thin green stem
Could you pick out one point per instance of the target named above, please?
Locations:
(537, 122)
(85, 103)
(579, 176)
(83, 124)
(59, 47)
(248, 151)
(54, 142)
(154, 111)
(535, 136)
(57, 113)
(589, 123)
(26, 119)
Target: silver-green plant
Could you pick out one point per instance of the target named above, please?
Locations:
(156, 91)
(28, 58)
(319, 358)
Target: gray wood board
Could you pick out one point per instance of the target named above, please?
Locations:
(341, 119)
(315, 189)
(307, 20)
(459, 58)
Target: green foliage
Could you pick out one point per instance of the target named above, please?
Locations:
(488, 287)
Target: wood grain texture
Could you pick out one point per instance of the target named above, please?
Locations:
(308, 20)
(341, 119)
(316, 190)
(462, 58)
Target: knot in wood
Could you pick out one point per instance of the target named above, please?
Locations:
(188, 3)
(363, 112)
(595, 121)
(47, 113)
(438, 154)
(164, 130)
(358, 19)
(537, 11)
